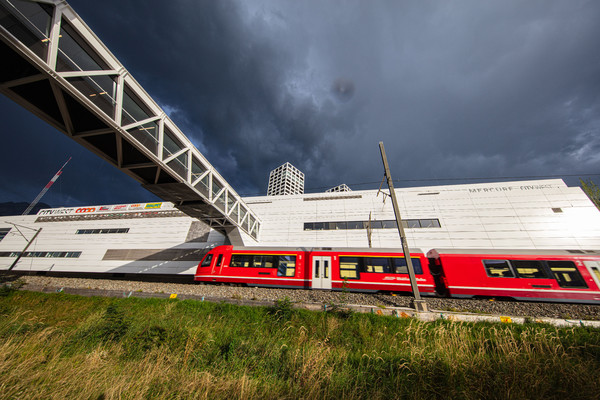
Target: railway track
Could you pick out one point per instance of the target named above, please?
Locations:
(316, 298)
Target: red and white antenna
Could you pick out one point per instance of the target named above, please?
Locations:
(45, 189)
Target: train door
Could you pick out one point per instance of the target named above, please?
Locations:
(594, 270)
(321, 272)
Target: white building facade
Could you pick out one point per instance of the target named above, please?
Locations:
(156, 238)
(285, 180)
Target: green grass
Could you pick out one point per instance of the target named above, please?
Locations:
(57, 346)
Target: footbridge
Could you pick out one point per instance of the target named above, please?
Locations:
(57, 68)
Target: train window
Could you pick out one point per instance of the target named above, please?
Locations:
(287, 266)
(376, 264)
(207, 260)
(219, 260)
(349, 268)
(240, 260)
(263, 261)
(498, 269)
(389, 224)
(566, 274)
(400, 266)
(529, 269)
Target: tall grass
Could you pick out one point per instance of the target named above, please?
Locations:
(61, 346)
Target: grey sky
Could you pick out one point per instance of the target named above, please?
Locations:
(455, 89)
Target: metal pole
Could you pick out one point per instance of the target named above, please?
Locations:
(25, 249)
(419, 304)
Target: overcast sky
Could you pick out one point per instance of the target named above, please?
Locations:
(454, 89)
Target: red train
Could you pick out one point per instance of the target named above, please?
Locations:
(536, 275)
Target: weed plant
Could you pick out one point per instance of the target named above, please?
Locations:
(58, 346)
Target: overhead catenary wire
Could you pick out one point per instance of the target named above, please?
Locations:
(371, 183)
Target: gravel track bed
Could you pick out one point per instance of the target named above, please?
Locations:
(525, 309)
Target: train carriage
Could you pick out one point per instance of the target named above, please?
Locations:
(534, 275)
(351, 269)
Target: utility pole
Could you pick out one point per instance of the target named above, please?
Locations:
(37, 232)
(419, 304)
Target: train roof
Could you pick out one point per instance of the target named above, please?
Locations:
(329, 249)
(432, 253)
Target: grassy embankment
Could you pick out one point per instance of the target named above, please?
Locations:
(62, 347)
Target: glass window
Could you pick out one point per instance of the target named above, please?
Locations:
(197, 169)
(429, 223)
(219, 260)
(401, 267)
(146, 134)
(529, 269)
(170, 144)
(412, 223)
(101, 90)
(498, 269)
(355, 225)
(207, 260)
(31, 27)
(259, 261)
(134, 109)
(389, 224)
(241, 260)
(287, 266)
(566, 274)
(202, 186)
(349, 267)
(376, 224)
(309, 226)
(74, 53)
(341, 225)
(179, 165)
(318, 226)
(376, 264)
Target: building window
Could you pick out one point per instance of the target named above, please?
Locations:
(384, 224)
(3, 232)
(98, 231)
(42, 254)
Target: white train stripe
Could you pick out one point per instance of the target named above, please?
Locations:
(305, 280)
(537, 290)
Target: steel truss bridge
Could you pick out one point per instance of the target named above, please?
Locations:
(57, 68)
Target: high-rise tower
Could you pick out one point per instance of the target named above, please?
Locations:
(285, 179)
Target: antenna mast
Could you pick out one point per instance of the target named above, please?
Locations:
(45, 189)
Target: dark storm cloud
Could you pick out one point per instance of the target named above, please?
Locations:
(454, 88)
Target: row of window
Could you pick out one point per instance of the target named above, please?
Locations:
(42, 254)
(97, 231)
(386, 224)
(351, 267)
(565, 272)
(286, 265)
